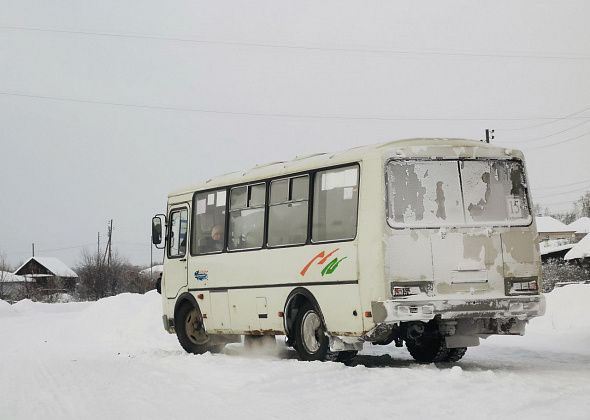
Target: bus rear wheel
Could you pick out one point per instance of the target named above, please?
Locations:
(455, 354)
(311, 341)
(190, 331)
(428, 348)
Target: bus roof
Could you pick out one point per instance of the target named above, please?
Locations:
(414, 146)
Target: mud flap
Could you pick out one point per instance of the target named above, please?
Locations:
(454, 341)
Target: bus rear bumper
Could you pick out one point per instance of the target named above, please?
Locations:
(521, 308)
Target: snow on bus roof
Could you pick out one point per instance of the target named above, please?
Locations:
(306, 162)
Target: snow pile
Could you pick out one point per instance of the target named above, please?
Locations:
(5, 308)
(131, 321)
(113, 359)
(29, 307)
(566, 310)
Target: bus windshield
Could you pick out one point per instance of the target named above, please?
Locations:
(436, 193)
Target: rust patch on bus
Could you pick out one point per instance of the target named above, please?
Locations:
(266, 332)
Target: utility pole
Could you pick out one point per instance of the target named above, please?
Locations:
(98, 249)
(489, 135)
(110, 243)
(151, 257)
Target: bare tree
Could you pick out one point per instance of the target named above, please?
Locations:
(4, 270)
(97, 279)
(581, 207)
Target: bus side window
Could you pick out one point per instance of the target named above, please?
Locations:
(287, 218)
(178, 233)
(335, 204)
(209, 222)
(246, 217)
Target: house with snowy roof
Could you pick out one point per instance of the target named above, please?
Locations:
(13, 287)
(555, 238)
(49, 275)
(580, 251)
(153, 272)
(581, 227)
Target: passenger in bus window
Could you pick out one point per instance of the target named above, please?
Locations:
(216, 242)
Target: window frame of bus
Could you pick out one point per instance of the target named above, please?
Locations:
(289, 180)
(312, 204)
(264, 206)
(169, 233)
(194, 221)
(388, 215)
(312, 174)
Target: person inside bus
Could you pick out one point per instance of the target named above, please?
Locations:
(215, 242)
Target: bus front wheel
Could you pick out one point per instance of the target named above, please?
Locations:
(191, 331)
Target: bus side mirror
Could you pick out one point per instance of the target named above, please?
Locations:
(158, 221)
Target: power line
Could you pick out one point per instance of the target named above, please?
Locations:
(52, 249)
(563, 185)
(576, 190)
(270, 115)
(535, 139)
(559, 142)
(540, 56)
(566, 117)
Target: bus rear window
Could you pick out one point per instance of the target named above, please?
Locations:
(451, 193)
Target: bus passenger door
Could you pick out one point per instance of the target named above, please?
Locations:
(175, 267)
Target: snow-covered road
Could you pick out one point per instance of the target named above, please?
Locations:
(111, 359)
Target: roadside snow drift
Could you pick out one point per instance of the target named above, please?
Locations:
(112, 359)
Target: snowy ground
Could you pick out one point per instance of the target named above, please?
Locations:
(111, 359)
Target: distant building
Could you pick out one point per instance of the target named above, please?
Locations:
(555, 238)
(13, 287)
(580, 251)
(581, 227)
(49, 275)
(154, 271)
(551, 228)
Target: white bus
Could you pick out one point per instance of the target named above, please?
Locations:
(430, 242)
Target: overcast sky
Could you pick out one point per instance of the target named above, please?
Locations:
(107, 106)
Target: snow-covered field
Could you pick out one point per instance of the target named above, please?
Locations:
(111, 359)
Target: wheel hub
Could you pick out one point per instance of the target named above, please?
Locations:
(311, 330)
(194, 328)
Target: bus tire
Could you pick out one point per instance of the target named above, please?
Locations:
(455, 354)
(190, 330)
(311, 341)
(345, 356)
(428, 349)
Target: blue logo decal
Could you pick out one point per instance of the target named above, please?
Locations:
(201, 275)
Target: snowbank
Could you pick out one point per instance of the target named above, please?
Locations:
(5, 307)
(27, 306)
(131, 320)
(113, 359)
(566, 310)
